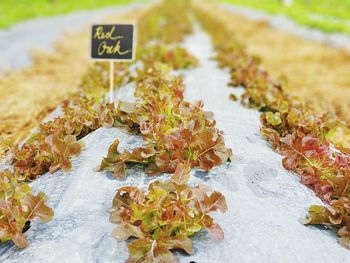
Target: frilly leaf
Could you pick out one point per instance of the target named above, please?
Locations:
(181, 174)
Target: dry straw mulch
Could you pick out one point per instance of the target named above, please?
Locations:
(313, 71)
(29, 94)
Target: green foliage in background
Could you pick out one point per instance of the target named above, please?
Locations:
(13, 11)
(327, 15)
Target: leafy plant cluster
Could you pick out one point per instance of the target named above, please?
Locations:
(86, 111)
(50, 148)
(175, 131)
(177, 135)
(19, 206)
(165, 217)
(175, 57)
(166, 23)
(54, 143)
(308, 143)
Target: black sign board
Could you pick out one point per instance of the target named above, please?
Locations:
(112, 42)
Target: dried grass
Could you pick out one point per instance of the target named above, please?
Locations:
(317, 73)
(28, 95)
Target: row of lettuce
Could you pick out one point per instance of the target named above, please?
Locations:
(178, 135)
(307, 142)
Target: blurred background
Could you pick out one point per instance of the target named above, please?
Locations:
(13, 11)
(328, 15)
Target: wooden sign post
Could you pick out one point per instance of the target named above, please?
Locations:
(113, 43)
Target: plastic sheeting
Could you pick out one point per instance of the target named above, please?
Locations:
(265, 202)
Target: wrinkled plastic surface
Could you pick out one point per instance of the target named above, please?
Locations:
(265, 202)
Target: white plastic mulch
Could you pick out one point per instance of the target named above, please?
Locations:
(265, 202)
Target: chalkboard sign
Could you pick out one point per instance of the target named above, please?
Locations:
(112, 42)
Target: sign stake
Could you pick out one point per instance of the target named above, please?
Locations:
(113, 42)
(111, 81)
